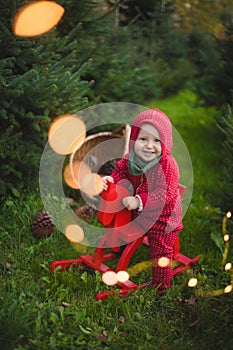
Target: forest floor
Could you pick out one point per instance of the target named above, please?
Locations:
(44, 310)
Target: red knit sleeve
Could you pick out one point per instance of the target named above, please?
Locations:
(160, 194)
(121, 170)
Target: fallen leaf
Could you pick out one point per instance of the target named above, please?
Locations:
(9, 266)
(191, 301)
(102, 336)
(66, 304)
(121, 319)
(195, 322)
(105, 334)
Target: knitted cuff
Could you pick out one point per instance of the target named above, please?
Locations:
(161, 276)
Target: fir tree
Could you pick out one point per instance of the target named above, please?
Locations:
(40, 78)
(226, 125)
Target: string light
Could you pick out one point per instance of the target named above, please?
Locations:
(224, 222)
(228, 289)
(192, 282)
(139, 267)
(109, 278)
(163, 262)
(207, 293)
(227, 266)
(226, 237)
(122, 276)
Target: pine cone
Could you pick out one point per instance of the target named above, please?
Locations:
(85, 212)
(43, 225)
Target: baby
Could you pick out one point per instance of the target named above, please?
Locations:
(153, 176)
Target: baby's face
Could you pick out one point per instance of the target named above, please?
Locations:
(148, 144)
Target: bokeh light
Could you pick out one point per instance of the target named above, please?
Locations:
(228, 289)
(91, 184)
(228, 266)
(192, 282)
(109, 278)
(66, 133)
(122, 276)
(74, 173)
(74, 233)
(226, 237)
(228, 214)
(163, 262)
(37, 18)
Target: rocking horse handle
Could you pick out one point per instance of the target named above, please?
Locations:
(111, 202)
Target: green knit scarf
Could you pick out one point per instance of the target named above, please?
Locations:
(137, 166)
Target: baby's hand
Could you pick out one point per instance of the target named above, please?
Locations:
(131, 202)
(105, 180)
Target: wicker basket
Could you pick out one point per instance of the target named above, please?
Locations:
(102, 148)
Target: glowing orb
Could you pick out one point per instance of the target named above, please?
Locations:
(226, 237)
(74, 173)
(228, 214)
(91, 184)
(66, 133)
(37, 18)
(109, 278)
(74, 233)
(228, 289)
(122, 276)
(228, 266)
(192, 282)
(163, 262)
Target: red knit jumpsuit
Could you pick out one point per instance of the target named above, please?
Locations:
(158, 188)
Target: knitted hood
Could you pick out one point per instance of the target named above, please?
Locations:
(160, 121)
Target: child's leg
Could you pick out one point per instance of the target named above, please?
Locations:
(161, 252)
(161, 276)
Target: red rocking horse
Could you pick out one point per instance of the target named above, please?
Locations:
(115, 218)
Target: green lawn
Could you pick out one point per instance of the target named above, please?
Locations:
(40, 310)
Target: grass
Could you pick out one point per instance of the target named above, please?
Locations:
(40, 310)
